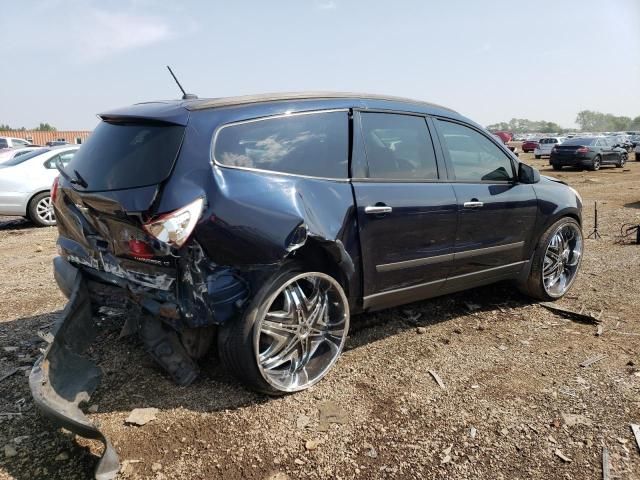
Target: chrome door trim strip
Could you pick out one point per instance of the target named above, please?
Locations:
(486, 250)
(418, 262)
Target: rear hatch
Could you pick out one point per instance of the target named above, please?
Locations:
(107, 193)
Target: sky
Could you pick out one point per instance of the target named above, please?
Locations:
(64, 61)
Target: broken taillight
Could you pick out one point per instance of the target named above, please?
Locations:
(54, 189)
(140, 249)
(175, 227)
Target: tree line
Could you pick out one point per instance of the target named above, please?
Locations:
(588, 121)
(43, 127)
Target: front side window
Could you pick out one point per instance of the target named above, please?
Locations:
(64, 158)
(315, 144)
(473, 156)
(398, 147)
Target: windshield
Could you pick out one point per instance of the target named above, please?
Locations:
(579, 141)
(129, 155)
(19, 158)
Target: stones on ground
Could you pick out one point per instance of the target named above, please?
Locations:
(156, 467)
(62, 456)
(297, 461)
(312, 444)
(10, 349)
(10, 451)
(20, 439)
(551, 439)
(302, 421)
(278, 476)
(503, 348)
(504, 432)
(93, 408)
(473, 432)
(437, 378)
(572, 420)
(421, 330)
(330, 412)
(142, 416)
(39, 248)
(562, 456)
(370, 450)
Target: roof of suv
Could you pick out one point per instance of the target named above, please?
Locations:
(201, 104)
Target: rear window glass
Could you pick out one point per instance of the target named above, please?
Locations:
(578, 141)
(310, 144)
(129, 155)
(18, 159)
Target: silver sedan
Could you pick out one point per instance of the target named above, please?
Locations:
(25, 182)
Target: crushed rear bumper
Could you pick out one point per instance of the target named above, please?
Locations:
(63, 377)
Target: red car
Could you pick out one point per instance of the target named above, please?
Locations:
(529, 145)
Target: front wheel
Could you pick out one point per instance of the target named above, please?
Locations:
(290, 335)
(622, 159)
(41, 210)
(556, 261)
(595, 163)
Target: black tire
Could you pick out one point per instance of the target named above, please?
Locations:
(236, 337)
(35, 210)
(622, 159)
(556, 167)
(538, 157)
(596, 163)
(533, 286)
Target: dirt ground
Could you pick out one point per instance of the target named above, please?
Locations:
(515, 398)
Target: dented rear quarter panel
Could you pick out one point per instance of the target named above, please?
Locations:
(250, 217)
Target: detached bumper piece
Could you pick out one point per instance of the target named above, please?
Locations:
(63, 378)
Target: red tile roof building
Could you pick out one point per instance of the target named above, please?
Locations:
(41, 138)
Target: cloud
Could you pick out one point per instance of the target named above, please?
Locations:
(104, 34)
(326, 4)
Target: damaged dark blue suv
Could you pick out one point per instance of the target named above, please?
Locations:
(261, 224)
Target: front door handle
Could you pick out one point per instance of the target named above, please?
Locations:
(473, 204)
(377, 209)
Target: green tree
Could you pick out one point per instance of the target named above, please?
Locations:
(45, 127)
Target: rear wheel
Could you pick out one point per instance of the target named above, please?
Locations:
(556, 261)
(622, 159)
(556, 167)
(291, 334)
(595, 163)
(41, 210)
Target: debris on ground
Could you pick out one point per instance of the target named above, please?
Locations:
(330, 412)
(636, 433)
(562, 456)
(437, 378)
(592, 360)
(311, 444)
(302, 421)
(142, 416)
(605, 464)
(8, 374)
(370, 450)
(572, 420)
(10, 451)
(579, 316)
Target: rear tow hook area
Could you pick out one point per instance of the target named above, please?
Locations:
(63, 377)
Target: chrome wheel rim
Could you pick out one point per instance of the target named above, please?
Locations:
(596, 164)
(562, 259)
(301, 332)
(44, 211)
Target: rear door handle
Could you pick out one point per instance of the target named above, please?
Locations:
(377, 209)
(474, 204)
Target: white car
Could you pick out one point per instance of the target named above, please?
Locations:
(25, 183)
(10, 153)
(546, 144)
(12, 142)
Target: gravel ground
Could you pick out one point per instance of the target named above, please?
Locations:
(515, 402)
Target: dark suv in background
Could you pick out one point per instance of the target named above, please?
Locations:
(263, 223)
(588, 152)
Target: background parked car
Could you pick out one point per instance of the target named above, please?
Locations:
(546, 144)
(9, 153)
(637, 152)
(529, 145)
(590, 152)
(11, 142)
(25, 182)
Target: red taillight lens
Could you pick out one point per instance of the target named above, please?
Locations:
(54, 189)
(582, 150)
(174, 228)
(140, 249)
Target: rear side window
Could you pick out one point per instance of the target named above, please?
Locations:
(473, 156)
(314, 144)
(398, 147)
(118, 156)
(4, 143)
